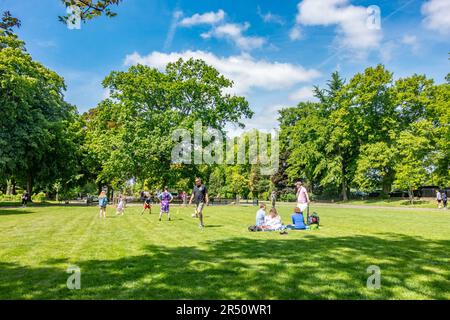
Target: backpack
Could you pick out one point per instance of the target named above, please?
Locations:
(254, 228)
(313, 219)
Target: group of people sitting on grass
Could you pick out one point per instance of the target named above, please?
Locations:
(272, 221)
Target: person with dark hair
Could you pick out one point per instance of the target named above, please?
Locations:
(273, 198)
(25, 198)
(147, 205)
(302, 196)
(200, 195)
(261, 215)
(165, 197)
(444, 199)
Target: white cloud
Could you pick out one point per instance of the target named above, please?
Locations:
(265, 120)
(437, 15)
(352, 27)
(234, 33)
(205, 18)
(269, 17)
(246, 72)
(295, 33)
(303, 94)
(411, 41)
(387, 51)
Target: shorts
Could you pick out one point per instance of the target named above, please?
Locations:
(302, 206)
(165, 206)
(147, 206)
(199, 207)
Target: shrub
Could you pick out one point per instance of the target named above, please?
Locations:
(288, 197)
(40, 197)
(12, 197)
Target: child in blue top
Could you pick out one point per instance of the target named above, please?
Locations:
(298, 222)
(261, 215)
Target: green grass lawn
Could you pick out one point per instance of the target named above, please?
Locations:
(137, 257)
(395, 202)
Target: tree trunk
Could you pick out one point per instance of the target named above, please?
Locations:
(411, 196)
(30, 184)
(14, 192)
(110, 193)
(344, 191)
(8, 187)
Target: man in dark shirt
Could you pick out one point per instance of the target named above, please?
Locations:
(200, 196)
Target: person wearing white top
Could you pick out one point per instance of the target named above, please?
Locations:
(302, 196)
(272, 221)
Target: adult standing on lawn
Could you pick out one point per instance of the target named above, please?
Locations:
(302, 196)
(439, 198)
(200, 195)
(444, 199)
(25, 198)
(273, 197)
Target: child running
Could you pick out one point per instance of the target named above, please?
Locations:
(102, 203)
(147, 205)
(120, 206)
(165, 197)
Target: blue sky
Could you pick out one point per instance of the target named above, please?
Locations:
(274, 50)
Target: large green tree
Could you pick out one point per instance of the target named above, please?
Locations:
(37, 143)
(130, 133)
(356, 135)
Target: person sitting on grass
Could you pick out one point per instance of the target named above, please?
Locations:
(298, 222)
(261, 215)
(272, 222)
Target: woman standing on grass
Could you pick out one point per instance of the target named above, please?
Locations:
(102, 203)
(302, 196)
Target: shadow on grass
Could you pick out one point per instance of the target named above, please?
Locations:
(243, 268)
(8, 212)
